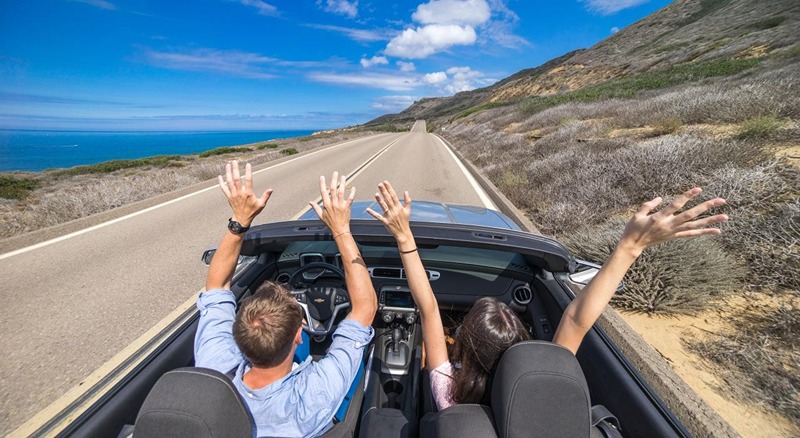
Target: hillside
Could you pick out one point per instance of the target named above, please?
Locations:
(686, 31)
(701, 93)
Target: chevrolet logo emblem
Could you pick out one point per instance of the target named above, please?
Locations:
(319, 300)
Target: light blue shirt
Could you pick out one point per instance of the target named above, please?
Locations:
(304, 402)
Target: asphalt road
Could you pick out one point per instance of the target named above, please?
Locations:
(71, 305)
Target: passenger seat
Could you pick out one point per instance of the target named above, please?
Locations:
(538, 390)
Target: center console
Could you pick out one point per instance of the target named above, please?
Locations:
(391, 393)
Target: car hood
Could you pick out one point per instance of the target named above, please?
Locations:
(436, 212)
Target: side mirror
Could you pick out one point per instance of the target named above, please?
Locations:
(207, 256)
(586, 271)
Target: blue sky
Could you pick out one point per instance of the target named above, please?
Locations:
(269, 64)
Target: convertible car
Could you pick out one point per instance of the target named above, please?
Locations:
(537, 389)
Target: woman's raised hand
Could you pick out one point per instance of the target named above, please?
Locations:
(395, 215)
(646, 229)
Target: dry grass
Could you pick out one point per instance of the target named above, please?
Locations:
(759, 356)
(681, 276)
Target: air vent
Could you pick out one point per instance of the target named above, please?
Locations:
(386, 273)
(283, 278)
(523, 295)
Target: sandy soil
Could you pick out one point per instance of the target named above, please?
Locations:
(665, 334)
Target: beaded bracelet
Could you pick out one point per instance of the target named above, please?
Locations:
(340, 234)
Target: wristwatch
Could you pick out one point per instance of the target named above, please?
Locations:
(235, 227)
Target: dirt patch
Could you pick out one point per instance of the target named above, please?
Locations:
(665, 334)
(791, 153)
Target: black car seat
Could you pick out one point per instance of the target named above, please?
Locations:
(194, 402)
(538, 390)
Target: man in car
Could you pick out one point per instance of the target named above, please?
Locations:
(260, 340)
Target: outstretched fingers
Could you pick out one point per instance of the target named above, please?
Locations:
(699, 209)
(680, 201)
(248, 177)
(323, 191)
(406, 199)
(237, 177)
(649, 206)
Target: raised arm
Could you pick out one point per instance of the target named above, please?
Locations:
(642, 231)
(395, 218)
(245, 206)
(336, 215)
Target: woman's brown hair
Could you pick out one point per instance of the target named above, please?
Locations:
(487, 331)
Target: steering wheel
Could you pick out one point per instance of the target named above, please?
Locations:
(321, 304)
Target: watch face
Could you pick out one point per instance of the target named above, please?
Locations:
(235, 227)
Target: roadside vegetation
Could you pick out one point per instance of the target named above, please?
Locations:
(224, 151)
(16, 188)
(55, 196)
(579, 163)
(115, 165)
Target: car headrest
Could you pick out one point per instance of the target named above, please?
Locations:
(539, 390)
(194, 402)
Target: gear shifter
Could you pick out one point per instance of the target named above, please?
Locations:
(397, 336)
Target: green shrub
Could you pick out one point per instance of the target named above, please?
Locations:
(759, 127)
(114, 165)
(16, 188)
(223, 150)
(767, 23)
(626, 88)
(680, 276)
(481, 107)
(388, 127)
(267, 146)
(289, 151)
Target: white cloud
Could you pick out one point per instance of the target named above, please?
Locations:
(375, 60)
(424, 41)
(261, 6)
(447, 23)
(228, 62)
(461, 12)
(434, 78)
(102, 4)
(391, 82)
(393, 103)
(465, 79)
(608, 7)
(341, 7)
(362, 35)
(614, 29)
(406, 66)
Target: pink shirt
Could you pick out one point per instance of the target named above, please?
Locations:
(442, 381)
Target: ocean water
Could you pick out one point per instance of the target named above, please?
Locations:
(39, 150)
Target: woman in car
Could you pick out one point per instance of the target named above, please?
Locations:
(490, 327)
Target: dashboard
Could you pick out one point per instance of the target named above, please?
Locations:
(458, 276)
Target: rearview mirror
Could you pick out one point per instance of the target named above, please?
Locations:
(586, 271)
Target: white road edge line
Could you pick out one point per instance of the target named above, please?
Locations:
(146, 210)
(487, 203)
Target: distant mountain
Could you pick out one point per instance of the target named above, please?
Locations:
(686, 31)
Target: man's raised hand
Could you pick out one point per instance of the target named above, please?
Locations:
(244, 203)
(335, 210)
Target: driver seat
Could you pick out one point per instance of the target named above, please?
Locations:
(538, 389)
(194, 402)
